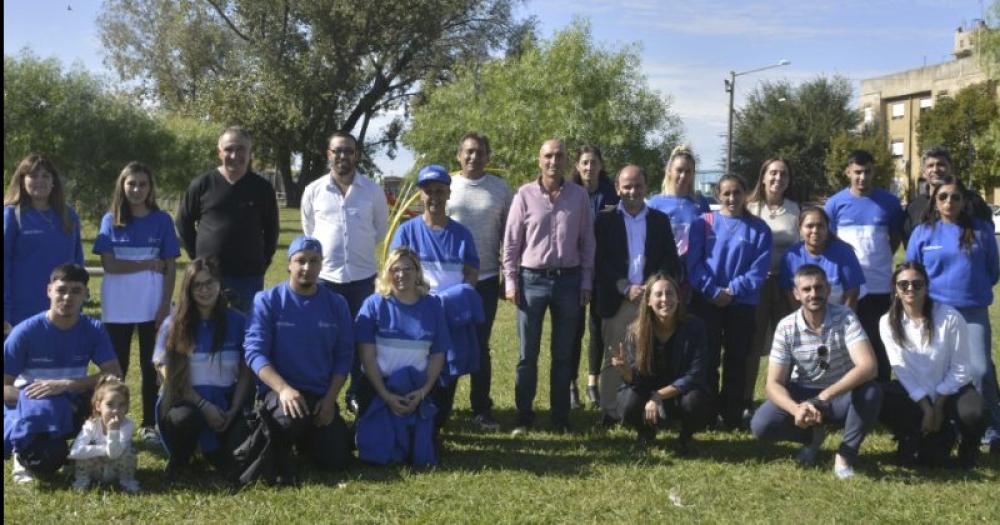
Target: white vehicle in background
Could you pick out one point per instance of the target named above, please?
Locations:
(996, 220)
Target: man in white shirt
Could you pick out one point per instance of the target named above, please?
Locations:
(349, 215)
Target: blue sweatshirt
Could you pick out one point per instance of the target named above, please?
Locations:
(729, 252)
(306, 338)
(443, 253)
(959, 278)
(31, 250)
(843, 271)
(682, 212)
(868, 223)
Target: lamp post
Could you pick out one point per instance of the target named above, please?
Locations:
(731, 89)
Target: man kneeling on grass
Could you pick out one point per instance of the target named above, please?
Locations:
(821, 371)
(300, 343)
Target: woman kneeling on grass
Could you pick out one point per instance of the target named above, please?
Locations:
(663, 365)
(402, 339)
(199, 355)
(928, 347)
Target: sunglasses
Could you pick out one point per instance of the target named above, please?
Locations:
(955, 197)
(916, 285)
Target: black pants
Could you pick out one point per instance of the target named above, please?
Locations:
(328, 447)
(903, 417)
(871, 308)
(695, 410)
(121, 340)
(481, 381)
(595, 349)
(355, 292)
(444, 399)
(733, 327)
(47, 453)
(182, 426)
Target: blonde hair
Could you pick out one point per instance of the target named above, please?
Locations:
(120, 209)
(681, 150)
(383, 285)
(107, 384)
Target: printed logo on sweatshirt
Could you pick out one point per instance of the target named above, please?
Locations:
(931, 247)
(285, 324)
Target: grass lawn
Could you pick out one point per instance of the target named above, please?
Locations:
(592, 476)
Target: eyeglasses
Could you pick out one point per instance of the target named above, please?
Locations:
(916, 285)
(343, 152)
(955, 197)
(205, 285)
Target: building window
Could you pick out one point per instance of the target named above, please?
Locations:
(897, 110)
(926, 103)
(896, 147)
(869, 115)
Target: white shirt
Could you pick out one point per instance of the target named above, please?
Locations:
(939, 367)
(348, 226)
(635, 231)
(92, 442)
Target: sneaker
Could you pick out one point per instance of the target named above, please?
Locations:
(129, 485)
(594, 396)
(486, 422)
(81, 483)
(149, 435)
(574, 397)
(20, 473)
(843, 472)
(807, 456)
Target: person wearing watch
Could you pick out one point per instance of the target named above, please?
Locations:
(662, 363)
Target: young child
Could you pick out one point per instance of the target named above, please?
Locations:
(103, 450)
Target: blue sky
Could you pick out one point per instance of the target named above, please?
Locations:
(687, 47)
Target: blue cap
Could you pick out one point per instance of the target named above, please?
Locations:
(304, 242)
(433, 173)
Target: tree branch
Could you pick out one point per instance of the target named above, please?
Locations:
(218, 9)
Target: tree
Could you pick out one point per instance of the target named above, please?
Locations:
(797, 123)
(988, 42)
(293, 71)
(958, 123)
(870, 139)
(566, 88)
(89, 132)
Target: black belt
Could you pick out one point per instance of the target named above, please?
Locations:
(552, 272)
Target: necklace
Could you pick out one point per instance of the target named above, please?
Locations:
(45, 216)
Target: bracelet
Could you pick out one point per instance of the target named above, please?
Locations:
(656, 397)
(819, 404)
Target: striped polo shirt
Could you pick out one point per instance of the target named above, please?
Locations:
(798, 345)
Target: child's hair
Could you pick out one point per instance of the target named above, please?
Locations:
(105, 385)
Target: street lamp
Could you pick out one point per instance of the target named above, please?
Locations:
(731, 89)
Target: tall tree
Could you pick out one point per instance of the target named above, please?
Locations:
(294, 71)
(958, 123)
(567, 88)
(797, 123)
(871, 139)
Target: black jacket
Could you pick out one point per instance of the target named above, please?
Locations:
(611, 256)
(681, 361)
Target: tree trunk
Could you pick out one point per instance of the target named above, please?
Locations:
(293, 193)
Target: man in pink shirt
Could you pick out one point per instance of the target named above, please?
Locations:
(548, 263)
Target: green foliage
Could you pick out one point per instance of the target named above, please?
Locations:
(988, 42)
(567, 88)
(870, 139)
(797, 123)
(294, 72)
(960, 124)
(90, 132)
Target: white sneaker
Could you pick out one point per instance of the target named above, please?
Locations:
(129, 485)
(81, 483)
(149, 435)
(843, 471)
(21, 474)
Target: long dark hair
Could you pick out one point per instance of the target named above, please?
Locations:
(818, 210)
(932, 215)
(120, 209)
(642, 327)
(596, 151)
(182, 337)
(896, 308)
(17, 194)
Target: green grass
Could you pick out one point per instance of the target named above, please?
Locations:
(592, 476)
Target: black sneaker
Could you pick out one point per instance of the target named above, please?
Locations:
(574, 397)
(486, 422)
(594, 396)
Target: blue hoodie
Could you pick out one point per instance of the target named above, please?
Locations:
(959, 278)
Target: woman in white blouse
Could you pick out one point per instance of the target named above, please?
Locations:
(928, 349)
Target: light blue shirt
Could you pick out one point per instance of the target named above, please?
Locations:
(635, 231)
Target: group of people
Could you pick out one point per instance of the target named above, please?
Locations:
(683, 301)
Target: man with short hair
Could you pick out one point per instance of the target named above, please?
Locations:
(348, 213)
(548, 264)
(46, 388)
(821, 371)
(480, 202)
(300, 344)
(937, 169)
(633, 242)
(231, 213)
(870, 219)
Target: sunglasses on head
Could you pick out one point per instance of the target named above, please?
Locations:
(954, 196)
(916, 285)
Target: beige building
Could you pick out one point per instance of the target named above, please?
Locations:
(896, 100)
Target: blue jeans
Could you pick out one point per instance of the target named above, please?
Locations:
(480, 381)
(560, 294)
(355, 292)
(241, 290)
(857, 411)
(980, 343)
